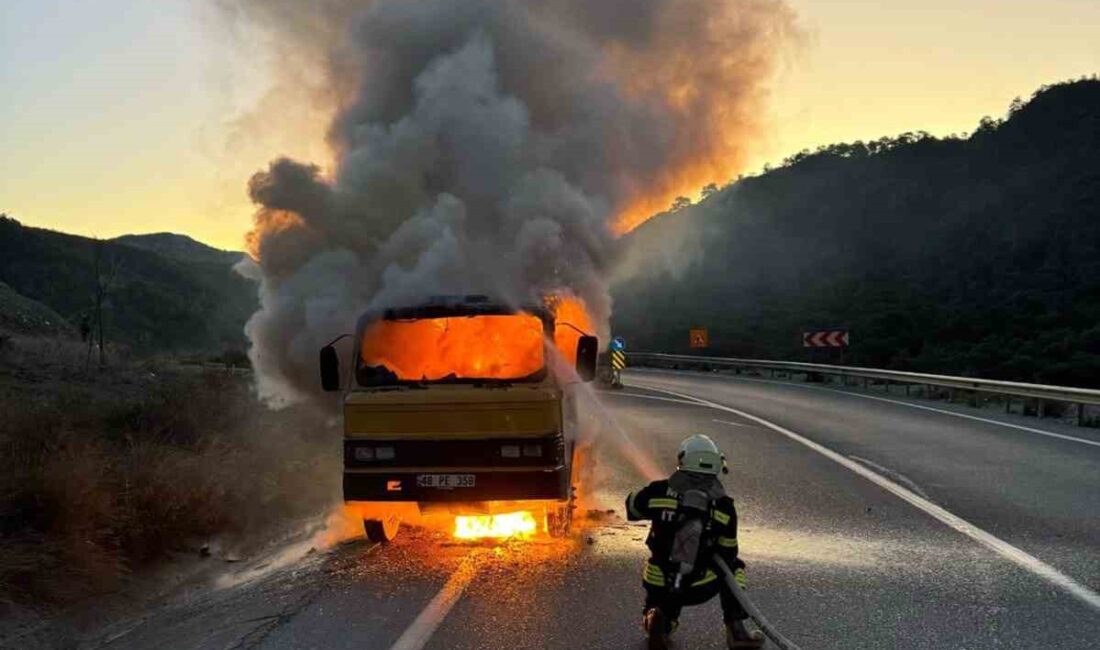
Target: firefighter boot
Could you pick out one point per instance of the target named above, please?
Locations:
(738, 636)
(656, 626)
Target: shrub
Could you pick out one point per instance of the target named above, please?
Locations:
(106, 473)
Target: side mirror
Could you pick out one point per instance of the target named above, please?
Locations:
(330, 369)
(587, 349)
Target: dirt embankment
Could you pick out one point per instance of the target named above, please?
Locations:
(105, 473)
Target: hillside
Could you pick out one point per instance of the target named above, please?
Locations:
(167, 293)
(976, 256)
(180, 247)
(22, 315)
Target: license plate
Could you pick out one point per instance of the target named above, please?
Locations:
(445, 481)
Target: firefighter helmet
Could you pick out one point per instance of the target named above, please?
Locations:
(699, 454)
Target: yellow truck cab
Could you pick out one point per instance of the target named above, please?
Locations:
(459, 404)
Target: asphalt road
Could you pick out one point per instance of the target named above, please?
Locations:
(973, 535)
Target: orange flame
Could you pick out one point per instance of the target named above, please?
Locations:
(499, 346)
(569, 313)
(500, 526)
(506, 346)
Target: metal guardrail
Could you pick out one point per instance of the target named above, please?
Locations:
(1079, 396)
(209, 366)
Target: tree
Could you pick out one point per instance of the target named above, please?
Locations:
(988, 124)
(104, 280)
(709, 190)
(1015, 106)
(680, 203)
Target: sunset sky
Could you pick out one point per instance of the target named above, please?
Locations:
(122, 116)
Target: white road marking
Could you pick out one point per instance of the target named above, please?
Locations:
(1020, 557)
(653, 397)
(425, 624)
(897, 476)
(1020, 427)
(732, 424)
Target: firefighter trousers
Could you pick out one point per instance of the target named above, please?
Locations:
(671, 604)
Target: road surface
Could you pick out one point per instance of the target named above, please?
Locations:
(865, 524)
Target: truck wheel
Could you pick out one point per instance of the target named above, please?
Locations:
(382, 530)
(559, 519)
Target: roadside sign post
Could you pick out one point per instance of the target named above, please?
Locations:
(832, 338)
(699, 338)
(617, 356)
(830, 342)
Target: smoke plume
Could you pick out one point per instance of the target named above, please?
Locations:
(485, 146)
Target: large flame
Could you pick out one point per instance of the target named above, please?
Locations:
(498, 526)
(508, 346)
(499, 346)
(570, 319)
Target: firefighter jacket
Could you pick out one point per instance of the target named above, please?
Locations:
(658, 502)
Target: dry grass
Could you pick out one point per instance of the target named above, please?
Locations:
(105, 472)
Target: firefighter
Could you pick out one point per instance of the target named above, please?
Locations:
(693, 520)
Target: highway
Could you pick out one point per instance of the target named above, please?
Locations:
(865, 524)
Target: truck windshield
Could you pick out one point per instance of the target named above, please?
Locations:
(501, 347)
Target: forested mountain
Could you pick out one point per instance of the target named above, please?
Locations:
(976, 255)
(181, 247)
(162, 293)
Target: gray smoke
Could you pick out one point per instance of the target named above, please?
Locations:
(485, 146)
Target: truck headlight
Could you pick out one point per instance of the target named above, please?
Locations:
(364, 453)
(509, 451)
(384, 453)
(532, 451)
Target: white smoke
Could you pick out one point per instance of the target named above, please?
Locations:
(485, 146)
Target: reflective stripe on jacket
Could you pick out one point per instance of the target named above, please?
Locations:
(657, 503)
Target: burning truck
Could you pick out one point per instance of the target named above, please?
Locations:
(466, 406)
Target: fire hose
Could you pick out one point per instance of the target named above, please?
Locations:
(742, 597)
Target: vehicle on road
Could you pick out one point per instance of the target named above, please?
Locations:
(460, 405)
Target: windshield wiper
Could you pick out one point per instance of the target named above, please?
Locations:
(492, 383)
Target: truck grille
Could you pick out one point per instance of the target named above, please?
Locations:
(497, 452)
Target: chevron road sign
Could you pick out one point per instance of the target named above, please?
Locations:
(825, 339)
(618, 359)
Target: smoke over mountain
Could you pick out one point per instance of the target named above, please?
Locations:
(488, 147)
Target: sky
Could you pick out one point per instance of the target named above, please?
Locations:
(126, 116)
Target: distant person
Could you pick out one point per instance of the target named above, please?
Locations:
(693, 521)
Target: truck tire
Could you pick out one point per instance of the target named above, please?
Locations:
(559, 516)
(382, 531)
(559, 519)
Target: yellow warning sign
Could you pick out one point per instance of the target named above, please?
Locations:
(618, 359)
(699, 337)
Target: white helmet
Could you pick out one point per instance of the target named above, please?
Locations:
(699, 454)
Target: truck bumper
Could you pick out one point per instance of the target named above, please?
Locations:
(488, 486)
